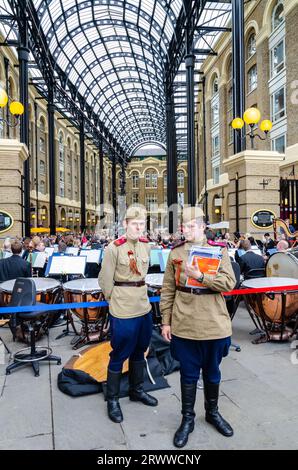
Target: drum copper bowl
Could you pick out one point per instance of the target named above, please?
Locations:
(46, 290)
(269, 306)
(85, 290)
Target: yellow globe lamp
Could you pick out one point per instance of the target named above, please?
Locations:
(252, 116)
(217, 211)
(237, 123)
(16, 108)
(266, 126)
(3, 98)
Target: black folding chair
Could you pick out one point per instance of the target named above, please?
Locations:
(255, 273)
(24, 294)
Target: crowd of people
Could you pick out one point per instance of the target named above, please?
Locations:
(247, 251)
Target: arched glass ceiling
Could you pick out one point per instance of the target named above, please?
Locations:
(114, 53)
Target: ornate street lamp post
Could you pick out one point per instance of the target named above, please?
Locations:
(252, 117)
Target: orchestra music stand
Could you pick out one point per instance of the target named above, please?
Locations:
(66, 265)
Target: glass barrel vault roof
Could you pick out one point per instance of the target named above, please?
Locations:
(114, 52)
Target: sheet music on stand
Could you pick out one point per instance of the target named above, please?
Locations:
(39, 260)
(49, 251)
(66, 265)
(72, 250)
(93, 256)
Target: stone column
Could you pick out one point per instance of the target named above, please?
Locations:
(13, 154)
(252, 169)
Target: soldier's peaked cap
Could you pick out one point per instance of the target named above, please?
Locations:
(135, 213)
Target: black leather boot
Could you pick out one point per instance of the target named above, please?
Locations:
(188, 398)
(211, 392)
(113, 386)
(136, 379)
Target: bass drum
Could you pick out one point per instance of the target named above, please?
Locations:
(283, 265)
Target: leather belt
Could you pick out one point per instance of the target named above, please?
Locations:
(189, 290)
(130, 284)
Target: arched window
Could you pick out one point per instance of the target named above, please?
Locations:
(11, 89)
(42, 187)
(251, 45)
(252, 78)
(61, 166)
(135, 180)
(180, 179)
(230, 70)
(151, 179)
(61, 148)
(42, 144)
(215, 86)
(42, 167)
(42, 124)
(277, 16)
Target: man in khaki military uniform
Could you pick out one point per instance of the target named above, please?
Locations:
(122, 279)
(197, 323)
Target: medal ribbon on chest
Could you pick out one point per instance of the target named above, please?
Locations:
(133, 264)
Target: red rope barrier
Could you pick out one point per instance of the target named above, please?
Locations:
(260, 290)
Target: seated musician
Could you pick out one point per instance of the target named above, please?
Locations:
(250, 260)
(15, 266)
(282, 246)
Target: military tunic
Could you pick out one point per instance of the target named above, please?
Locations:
(196, 317)
(125, 302)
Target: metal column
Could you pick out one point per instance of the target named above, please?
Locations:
(189, 64)
(36, 162)
(171, 162)
(238, 70)
(101, 179)
(23, 58)
(52, 157)
(114, 198)
(82, 176)
(206, 210)
(6, 69)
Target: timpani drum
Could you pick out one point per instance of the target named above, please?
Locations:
(154, 283)
(47, 290)
(283, 265)
(273, 311)
(94, 320)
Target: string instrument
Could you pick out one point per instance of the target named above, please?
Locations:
(281, 223)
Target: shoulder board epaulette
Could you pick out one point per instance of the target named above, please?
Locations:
(221, 244)
(178, 244)
(143, 240)
(120, 241)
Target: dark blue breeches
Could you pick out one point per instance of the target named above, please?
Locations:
(130, 338)
(197, 355)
